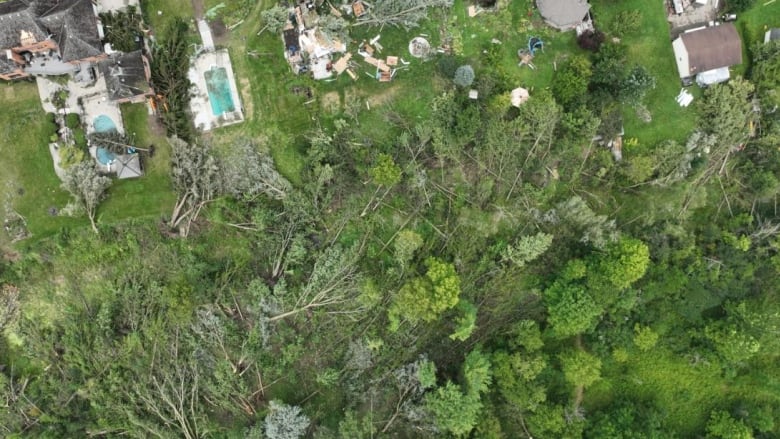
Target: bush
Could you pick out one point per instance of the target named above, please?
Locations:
(447, 66)
(464, 76)
(591, 40)
(72, 120)
(70, 155)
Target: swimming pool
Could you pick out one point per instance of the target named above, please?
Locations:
(103, 124)
(104, 156)
(219, 91)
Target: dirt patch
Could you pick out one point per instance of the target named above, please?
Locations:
(246, 98)
(331, 102)
(219, 32)
(386, 96)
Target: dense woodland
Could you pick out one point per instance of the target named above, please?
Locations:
(486, 272)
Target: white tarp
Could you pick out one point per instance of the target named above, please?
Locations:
(713, 76)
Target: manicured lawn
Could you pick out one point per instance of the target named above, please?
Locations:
(28, 184)
(150, 195)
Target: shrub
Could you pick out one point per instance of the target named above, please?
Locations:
(72, 120)
(464, 76)
(591, 40)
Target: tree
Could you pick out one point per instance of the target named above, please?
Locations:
(406, 244)
(464, 76)
(580, 368)
(591, 40)
(385, 174)
(636, 84)
(248, 170)
(87, 186)
(196, 180)
(527, 248)
(725, 112)
(624, 263)
(285, 421)
(400, 13)
(572, 310)
(169, 67)
(452, 410)
(644, 337)
(570, 84)
(426, 297)
(466, 322)
(721, 425)
(275, 18)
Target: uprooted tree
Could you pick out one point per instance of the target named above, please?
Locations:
(400, 13)
(195, 178)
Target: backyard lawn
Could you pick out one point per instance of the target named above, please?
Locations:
(28, 185)
(150, 195)
(651, 47)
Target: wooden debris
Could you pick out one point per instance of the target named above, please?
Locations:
(341, 64)
(392, 61)
(352, 74)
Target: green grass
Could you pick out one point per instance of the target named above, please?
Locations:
(150, 195)
(651, 47)
(168, 9)
(28, 184)
(752, 25)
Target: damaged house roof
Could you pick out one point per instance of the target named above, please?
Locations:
(125, 74)
(70, 23)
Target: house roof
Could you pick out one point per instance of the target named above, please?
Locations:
(712, 48)
(563, 14)
(125, 74)
(71, 23)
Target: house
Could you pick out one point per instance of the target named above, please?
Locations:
(772, 35)
(47, 37)
(707, 53)
(127, 77)
(563, 14)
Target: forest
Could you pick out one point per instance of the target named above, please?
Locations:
(443, 267)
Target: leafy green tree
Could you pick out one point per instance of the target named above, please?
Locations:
(725, 112)
(580, 368)
(406, 244)
(625, 262)
(721, 425)
(400, 13)
(570, 84)
(572, 310)
(466, 322)
(426, 297)
(644, 337)
(452, 410)
(636, 85)
(477, 372)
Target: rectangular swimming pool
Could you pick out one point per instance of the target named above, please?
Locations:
(219, 91)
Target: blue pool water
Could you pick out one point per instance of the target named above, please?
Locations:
(219, 91)
(103, 124)
(104, 156)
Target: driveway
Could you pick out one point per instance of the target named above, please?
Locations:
(694, 15)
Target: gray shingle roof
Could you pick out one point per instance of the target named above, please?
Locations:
(71, 23)
(563, 14)
(125, 75)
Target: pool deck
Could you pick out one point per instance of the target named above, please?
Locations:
(199, 104)
(93, 96)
